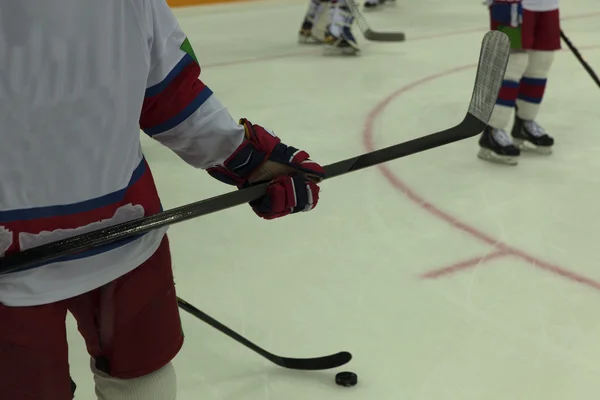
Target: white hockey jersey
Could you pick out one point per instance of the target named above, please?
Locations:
(78, 80)
(540, 5)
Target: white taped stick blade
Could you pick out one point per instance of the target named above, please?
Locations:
(493, 59)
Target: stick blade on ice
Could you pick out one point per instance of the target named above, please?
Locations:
(369, 33)
(384, 36)
(307, 364)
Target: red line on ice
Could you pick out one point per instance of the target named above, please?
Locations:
(473, 262)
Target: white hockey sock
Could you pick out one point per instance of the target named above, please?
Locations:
(323, 5)
(315, 9)
(158, 385)
(500, 117)
(533, 84)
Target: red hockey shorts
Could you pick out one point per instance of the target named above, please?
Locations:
(131, 327)
(540, 31)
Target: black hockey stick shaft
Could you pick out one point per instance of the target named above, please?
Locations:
(490, 72)
(469, 127)
(306, 364)
(39, 255)
(580, 58)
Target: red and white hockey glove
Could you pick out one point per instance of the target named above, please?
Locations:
(262, 157)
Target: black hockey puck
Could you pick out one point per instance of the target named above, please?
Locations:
(346, 379)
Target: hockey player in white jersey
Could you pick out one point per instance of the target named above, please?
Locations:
(338, 36)
(533, 27)
(77, 81)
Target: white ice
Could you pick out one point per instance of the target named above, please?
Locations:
(512, 309)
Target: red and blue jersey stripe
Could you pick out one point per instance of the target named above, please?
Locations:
(173, 100)
(140, 190)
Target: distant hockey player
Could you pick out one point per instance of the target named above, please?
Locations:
(338, 35)
(534, 29)
(78, 80)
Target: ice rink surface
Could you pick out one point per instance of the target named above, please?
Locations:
(447, 278)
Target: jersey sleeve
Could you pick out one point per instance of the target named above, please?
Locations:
(179, 110)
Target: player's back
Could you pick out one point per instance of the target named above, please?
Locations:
(72, 83)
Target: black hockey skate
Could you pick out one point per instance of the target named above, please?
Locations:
(374, 5)
(496, 146)
(305, 36)
(530, 136)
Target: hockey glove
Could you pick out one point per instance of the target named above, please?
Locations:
(262, 157)
(508, 13)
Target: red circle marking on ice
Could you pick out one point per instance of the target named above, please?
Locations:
(502, 248)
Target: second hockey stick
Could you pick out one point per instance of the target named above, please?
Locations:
(580, 58)
(306, 364)
(490, 73)
(370, 34)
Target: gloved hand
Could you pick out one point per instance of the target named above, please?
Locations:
(262, 157)
(508, 13)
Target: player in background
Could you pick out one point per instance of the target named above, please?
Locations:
(533, 27)
(78, 80)
(376, 4)
(338, 36)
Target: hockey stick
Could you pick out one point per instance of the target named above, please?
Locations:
(305, 364)
(490, 72)
(579, 57)
(370, 34)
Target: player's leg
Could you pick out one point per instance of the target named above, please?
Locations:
(545, 40)
(339, 34)
(314, 12)
(495, 144)
(158, 385)
(133, 331)
(34, 361)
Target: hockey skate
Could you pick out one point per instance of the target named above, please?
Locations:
(339, 36)
(530, 136)
(375, 4)
(306, 36)
(345, 43)
(497, 147)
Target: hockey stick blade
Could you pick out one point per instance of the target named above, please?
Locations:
(369, 33)
(490, 72)
(384, 36)
(305, 364)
